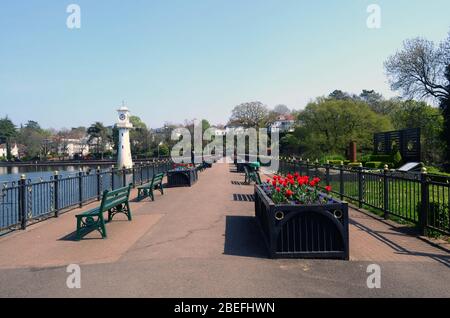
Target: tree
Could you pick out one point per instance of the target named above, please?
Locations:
(445, 107)
(35, 139)
(100, 135)
(7, 131)
(331, 124)
(414, 114)
(421, 69)
(282, 109)
(339, 95)
(252, 114)
(372, 98)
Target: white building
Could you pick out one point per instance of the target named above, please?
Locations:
(283, 124)
(72, 147)
(4, 152)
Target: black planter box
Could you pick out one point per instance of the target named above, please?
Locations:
(303, 231)
(181, 178)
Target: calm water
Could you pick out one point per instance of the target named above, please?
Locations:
(34, 173)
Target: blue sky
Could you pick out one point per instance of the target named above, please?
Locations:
(172, 60)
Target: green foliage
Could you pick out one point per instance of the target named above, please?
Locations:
(7, 132)
(397, 159)
(414, 114)
(374, 164)
(331, 123)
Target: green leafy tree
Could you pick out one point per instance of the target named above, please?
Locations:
(37, 141)
(332, 123)
(415, 114)
(99, 135)
(7, 132)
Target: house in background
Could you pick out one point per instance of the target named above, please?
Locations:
(283, 124)
(15, 153)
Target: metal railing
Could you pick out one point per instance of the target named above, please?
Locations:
(24, 202)
(418, 198)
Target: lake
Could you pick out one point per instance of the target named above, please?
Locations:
(35, 173)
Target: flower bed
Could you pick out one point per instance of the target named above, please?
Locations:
(299, 221)
(184, 175)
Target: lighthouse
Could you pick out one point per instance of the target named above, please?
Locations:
(124, 150)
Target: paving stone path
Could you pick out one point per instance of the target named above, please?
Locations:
(203, 241)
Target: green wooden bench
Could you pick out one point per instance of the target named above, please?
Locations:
(116, 201)
(251, 175)
(147, 189)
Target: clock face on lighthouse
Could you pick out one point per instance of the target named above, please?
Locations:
(122, 117)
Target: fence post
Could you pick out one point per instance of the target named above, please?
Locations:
(386, 192)
(307, 167)
(55, 193)
(327, 172)
(425, 198)
(141, 170)
(360, 186)
(133, 171)
(112, 177)
(317, 167)
(124, 177)
(80, 188)
(99, 183)
(22, 202)
(341, 180)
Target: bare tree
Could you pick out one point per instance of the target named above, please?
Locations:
(252, 114)
(418, 70)
(282, 109)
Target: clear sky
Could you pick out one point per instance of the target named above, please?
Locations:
(172, 60)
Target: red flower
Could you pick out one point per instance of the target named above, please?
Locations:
(292, 182)
(268, 180)
(296, 175)
(328, 188)
(289, 193)
(289, 176)
(274, 183)
(277, 189)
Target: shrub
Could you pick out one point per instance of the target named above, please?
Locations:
(397, 159)
(374, 164)
(354, 164)
(438, 216)
(335, 162)
(382, 158)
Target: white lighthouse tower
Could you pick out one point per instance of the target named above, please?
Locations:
(124, 150)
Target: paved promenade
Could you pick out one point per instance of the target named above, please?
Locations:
(203, 241)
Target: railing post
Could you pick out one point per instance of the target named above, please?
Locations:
(307, 167)
(124, 177)
(80, 188)
(133, 171)
(112, 177)
(317, 167)
(22, 202)
(425, 198)
(360, 187)
(327, 173)
(55, 193)
(386, 192)
(341, 180)
(141, 171)
(99, 183)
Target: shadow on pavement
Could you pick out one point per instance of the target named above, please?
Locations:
(243, 237)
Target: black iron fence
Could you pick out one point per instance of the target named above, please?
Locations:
(24, 202)
(418, 198)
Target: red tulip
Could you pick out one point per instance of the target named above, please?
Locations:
(278, 189)
(328, 188)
